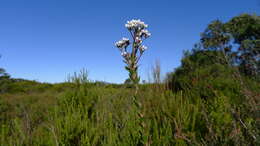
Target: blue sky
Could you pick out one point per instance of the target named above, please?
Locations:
(45, 40)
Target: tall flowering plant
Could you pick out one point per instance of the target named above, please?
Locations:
(139, 33)
(131, 57)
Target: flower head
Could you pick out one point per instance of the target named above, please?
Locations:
(138, 40)
(122, 43)
(125, 54)
(145, 33)
(143, 48)
(135, 25)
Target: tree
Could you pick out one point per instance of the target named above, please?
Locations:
(4, 80)
(238, 39)
(245, 30)
(3, 74)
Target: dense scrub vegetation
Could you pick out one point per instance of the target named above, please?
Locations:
(211, 99)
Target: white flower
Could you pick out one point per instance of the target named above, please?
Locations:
(145, 33)
(122, 43)
(125, 39)
(143, 48)
(135, 25)
(124, 54)
(138, 40)
(139, 32)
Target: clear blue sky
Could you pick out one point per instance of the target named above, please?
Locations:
(45, 40)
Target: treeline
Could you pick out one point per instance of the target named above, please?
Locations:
(230, 49)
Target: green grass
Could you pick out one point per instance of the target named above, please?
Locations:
(90, 114)
(201, 103)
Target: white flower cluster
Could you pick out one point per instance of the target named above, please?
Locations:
(138, 40)
(125, 54)
(143, 48)
(139, 32)
(145, 33)
(135, 25)
(122, 43)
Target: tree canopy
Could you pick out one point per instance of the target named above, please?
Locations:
(238, 39)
